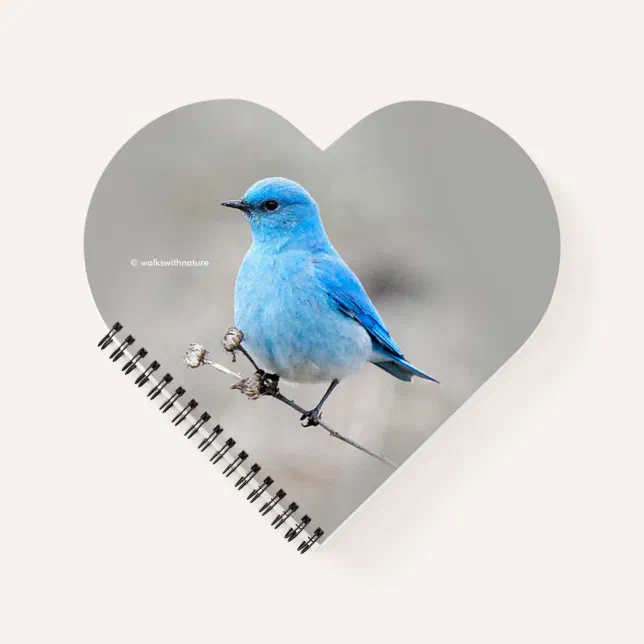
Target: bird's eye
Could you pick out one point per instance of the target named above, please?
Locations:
(271, 204)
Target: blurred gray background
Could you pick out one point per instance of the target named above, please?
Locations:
(443, 217)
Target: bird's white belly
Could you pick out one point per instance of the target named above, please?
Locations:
(290, 328)
(300, 362)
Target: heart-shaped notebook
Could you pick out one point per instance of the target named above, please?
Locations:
(444, 219)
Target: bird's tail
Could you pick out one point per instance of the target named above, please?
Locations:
(403, 370)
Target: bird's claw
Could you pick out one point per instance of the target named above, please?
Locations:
(311, 418)
(269, 383)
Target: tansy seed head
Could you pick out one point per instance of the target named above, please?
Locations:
(253, 386)
(195, 355)
(232, 339)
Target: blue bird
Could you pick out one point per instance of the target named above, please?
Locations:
(304, 314)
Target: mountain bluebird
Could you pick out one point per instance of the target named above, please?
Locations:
(304, 314)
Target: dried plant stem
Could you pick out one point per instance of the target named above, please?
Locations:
(333, 433)
(198, 356)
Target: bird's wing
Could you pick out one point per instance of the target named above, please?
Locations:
(348, 294)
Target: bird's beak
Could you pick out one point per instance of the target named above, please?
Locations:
(240, 204)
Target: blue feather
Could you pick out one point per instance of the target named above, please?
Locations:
(345, 290)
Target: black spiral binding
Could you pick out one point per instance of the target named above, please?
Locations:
(144, 377)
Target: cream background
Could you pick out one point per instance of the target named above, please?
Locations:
(520, 520)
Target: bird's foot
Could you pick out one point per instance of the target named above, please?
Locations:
(311, 418)
(269, 383)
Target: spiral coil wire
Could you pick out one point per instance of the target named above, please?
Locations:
(285, 515)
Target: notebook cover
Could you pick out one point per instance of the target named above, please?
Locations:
(445, 220)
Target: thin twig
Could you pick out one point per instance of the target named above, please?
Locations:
(332, 432)
(254, 387)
